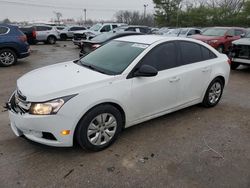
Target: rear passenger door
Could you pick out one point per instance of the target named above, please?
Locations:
(194, 69)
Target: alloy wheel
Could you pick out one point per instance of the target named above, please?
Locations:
(7, 58)
(215, 92)
(102, 129)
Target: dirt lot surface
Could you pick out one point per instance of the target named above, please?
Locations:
(194, 147)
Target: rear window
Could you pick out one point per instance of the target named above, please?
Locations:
(3, 30)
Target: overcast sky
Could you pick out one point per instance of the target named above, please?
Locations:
(42, 10)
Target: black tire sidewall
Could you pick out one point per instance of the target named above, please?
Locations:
(206, 101)
(81, 131)
(13, 53)
(49, 40)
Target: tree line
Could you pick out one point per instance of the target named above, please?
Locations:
(187, 13)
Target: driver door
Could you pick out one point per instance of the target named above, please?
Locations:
(153, 95)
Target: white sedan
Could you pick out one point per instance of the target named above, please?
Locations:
(125, 82)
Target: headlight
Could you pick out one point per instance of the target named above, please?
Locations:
(50, 107)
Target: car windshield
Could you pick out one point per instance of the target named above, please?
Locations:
(215, 32)
(95, 27)
(103, 37)
(114, 57)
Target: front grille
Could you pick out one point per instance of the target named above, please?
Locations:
(241, 51)
(78, 36)
(17, 104)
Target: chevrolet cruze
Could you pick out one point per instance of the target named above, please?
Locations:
(125, 82)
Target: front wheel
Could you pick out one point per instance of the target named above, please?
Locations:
(213, 93)
(7, 57)
(99, 128)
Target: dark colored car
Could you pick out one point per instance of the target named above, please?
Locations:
(220, 38)
(88, 46)
(135, 28)
(13, 45)
(30, 33)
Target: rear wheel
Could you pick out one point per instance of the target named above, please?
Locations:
(7, 57)
(99, 128)
(51, 40)
(234, 65)
(213, 93)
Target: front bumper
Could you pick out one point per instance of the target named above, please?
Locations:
(44, 129)
(77, 42)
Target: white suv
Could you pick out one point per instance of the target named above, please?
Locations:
(47, 34)
(125, 82)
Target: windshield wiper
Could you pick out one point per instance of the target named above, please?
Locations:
(93, 68)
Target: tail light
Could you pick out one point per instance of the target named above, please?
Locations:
(34, 34)
(23, 38)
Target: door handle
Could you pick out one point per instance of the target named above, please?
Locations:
(207, 69)
(174, 79)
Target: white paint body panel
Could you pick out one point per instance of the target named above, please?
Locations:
(140, 98)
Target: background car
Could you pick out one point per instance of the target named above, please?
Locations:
(47, 34)
(88, 46)
(240, 52)
(68, 32)
(30, 33)
(135, 28)
(13, 45)
(95, 30)
(188, 32)
(220, 38)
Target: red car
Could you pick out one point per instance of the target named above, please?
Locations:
(220, 37)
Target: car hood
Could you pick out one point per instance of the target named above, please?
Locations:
(87, 31)
(58, 80)
(206, 38)
(243, 41)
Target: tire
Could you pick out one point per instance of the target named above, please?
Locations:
(213, 93)
(63, 37)
(51, 40)
(221, 48)
(234, 65)
(99, 128)
(7, 57)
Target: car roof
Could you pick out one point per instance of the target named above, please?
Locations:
(143, 39)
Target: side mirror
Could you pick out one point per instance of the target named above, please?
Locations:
(146, 71)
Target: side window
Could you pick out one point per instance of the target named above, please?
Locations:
(231, 32)
(114, 26)
(238, 32)
(106, 28)
(162, 57)
(191, 32)
(191, 52)
(197, 32)
(142, 30)
(43, 28)
(80, 28)
(207, 54)
(130, 29)
(3, 30)
(72, 29)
